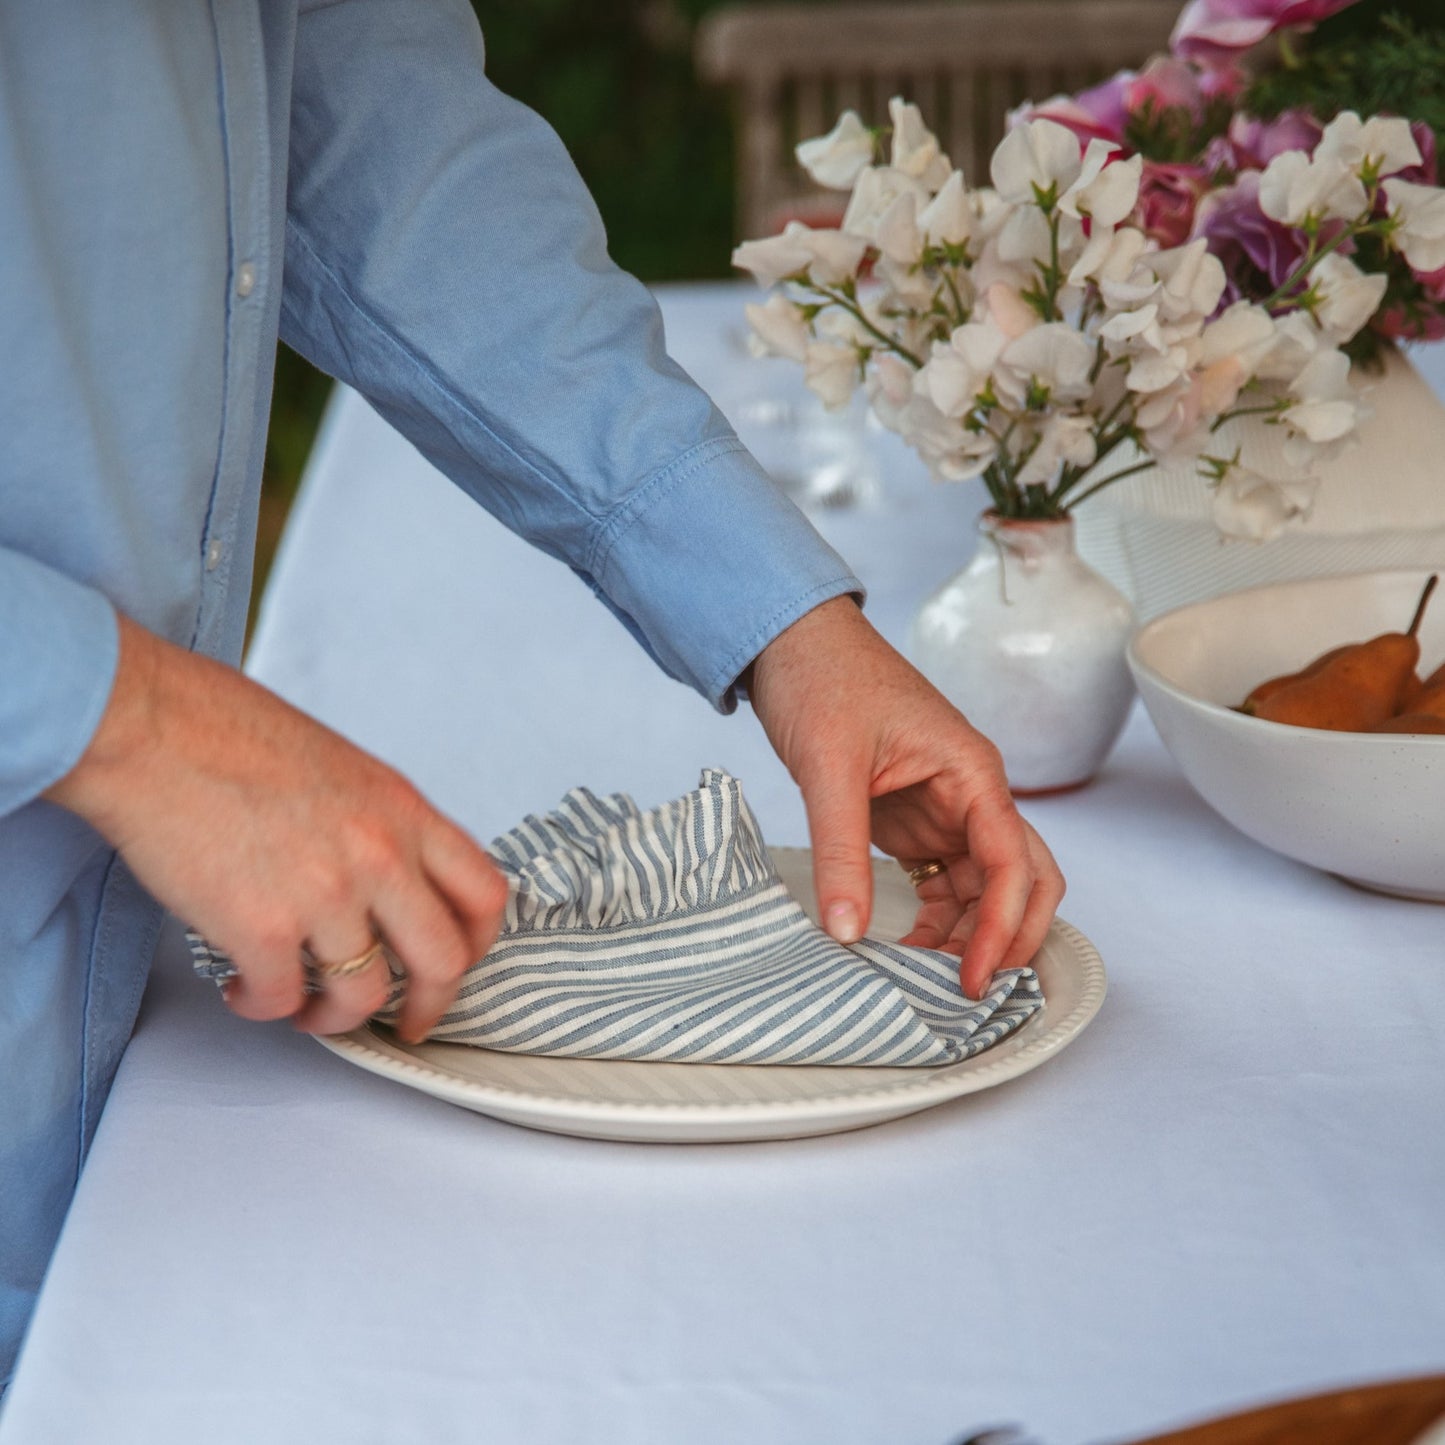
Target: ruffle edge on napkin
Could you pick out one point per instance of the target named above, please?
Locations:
(668, 936)
(600, 862)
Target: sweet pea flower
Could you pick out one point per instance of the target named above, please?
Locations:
(1326, 408)
(1216, 32)
(1418, 323)
(1231, 349)
(1037, 156)
(824, 256)
(837, 159)
(1193, 281)
(916, 151)
(897, 234)
(1242, 236)
(778, 328)
(1103, 192)
(1101, 112)
(1166, 83)
(875, 190)
(1053, 358)
(1420, 214)
(959, 368)
(1256, 142)
(890, 388)
(948, 219)
(1296, 188)
(1384, 143)
(1252, 507)
(1168, 199)
(1345, 297)
(1297, 340)
(1065, 437)
(831, 371)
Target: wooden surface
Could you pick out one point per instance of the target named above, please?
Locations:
(1397, 1413)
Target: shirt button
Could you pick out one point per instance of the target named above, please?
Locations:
(245, 279)
(213, 556)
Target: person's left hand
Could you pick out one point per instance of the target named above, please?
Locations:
(878, 753)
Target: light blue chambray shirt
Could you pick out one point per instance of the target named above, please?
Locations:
(179, 180)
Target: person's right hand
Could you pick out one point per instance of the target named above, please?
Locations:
(266, 831)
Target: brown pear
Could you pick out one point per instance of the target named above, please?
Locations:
(1413, 722)
(1272, 685)
(1358, 688)
(1429, 702)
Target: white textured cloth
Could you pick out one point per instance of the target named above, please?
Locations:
(668, 936)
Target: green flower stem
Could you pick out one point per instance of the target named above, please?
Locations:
(1315, 254)
(857, 313)
(1110, 480)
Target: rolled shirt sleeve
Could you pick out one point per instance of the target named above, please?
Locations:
(59, 647)
(444, 257)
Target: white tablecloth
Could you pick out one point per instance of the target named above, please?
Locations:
(1229, 1188)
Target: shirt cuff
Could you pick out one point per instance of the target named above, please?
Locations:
(59, 648)
(708, 562)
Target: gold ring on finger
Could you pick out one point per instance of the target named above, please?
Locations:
(926, 870)
(351, 966)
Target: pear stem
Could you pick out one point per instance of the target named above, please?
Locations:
(1420, 606)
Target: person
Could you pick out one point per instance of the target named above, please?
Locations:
(179, 182)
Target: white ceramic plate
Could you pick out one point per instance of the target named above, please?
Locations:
(713, 1103)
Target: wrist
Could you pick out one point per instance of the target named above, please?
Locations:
(126, 728)
(836, 618)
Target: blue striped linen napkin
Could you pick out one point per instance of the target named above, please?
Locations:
(668, 936)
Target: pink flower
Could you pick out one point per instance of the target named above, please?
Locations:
(1168, 196)
(1166, 84)
(1214, 32)
(1100, 112)
(1247, 241)
(1425, 173)
(1257, 142)
(1420, 323)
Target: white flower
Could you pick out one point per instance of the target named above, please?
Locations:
(831, 372)
(1230, 351)
(1193, 281)
(1010, 312)
(947, 220)
(1112, 259)
(1066, 437)
(1103, 192)
(959, 368)
(778, 328)
(897, 234)
(890, 388)
(1054, 358)
(1385, 143)
(915, 148)
(1025, 238)
(1347, 298)
(1420, 211)
(1150, 372)
(875, 190)
(773, 258)
(824, 256)
(837, 159)
(1326, 408)
(1294, 188)
(1037, 157)
(1252, 507)
(1296, 340)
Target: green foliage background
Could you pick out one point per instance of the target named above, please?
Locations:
(616, 80)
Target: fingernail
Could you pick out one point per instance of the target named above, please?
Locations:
(843, 922)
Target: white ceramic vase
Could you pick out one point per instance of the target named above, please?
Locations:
(1380, 505)
(1028, 642)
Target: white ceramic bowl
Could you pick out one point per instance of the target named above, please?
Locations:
(1369, 807)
